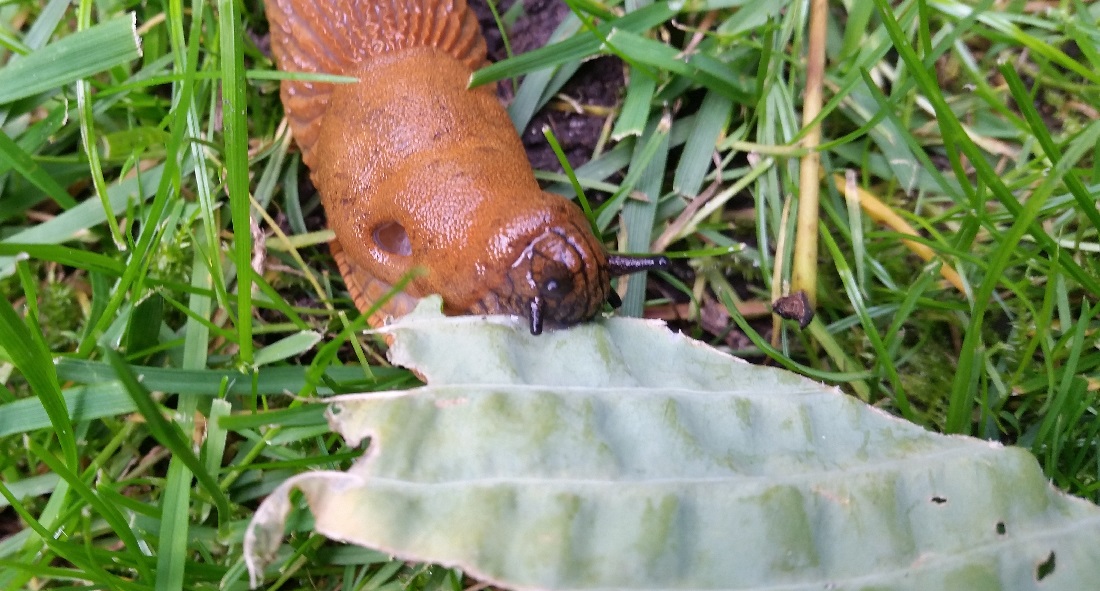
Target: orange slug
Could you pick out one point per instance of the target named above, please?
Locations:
(417, 171)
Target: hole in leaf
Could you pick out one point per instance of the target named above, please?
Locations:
(1000, 528)
(392, 238)
(939, 500)
(1045, 568)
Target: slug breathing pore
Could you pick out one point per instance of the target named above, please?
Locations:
(417, 172)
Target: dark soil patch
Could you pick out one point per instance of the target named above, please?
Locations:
(598, 83)
(10, 523)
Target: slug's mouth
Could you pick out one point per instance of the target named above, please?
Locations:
(555, 281)
(559, 281)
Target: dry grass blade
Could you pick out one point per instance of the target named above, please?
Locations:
(804, 265)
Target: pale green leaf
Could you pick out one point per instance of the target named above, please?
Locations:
(619, 455)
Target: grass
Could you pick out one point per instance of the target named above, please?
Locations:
(138, 193)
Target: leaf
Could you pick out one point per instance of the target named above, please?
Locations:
(620, 455)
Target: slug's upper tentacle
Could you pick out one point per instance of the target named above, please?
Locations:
(625, 264)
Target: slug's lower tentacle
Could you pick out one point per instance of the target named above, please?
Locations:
(536, 316)
(614, 299)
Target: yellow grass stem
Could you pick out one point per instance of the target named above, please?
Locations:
(804, 269)
(883, 214)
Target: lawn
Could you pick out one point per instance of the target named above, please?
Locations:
(927, 171)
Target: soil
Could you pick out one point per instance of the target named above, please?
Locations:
(598, 83)
(10, 524)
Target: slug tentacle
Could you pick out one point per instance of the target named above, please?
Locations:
(625, 264)
(536, 316)
(613, 299)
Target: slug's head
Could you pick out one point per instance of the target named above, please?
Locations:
(563, 276)
(557, 280)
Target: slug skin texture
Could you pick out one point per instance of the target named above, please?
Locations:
(418, 173)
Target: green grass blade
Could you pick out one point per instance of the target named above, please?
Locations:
(851, 288)
(175, 510)
(645, 150)
(1002, 23)
(26, 166)
(29, 354)
(572, 49)
(71, 58)
(34, 486)
(167, 433)
(695, 159)
(635, 110)
(962, 399)
(59, 546)
(269, 380)
(87, 214)
(701, 69)
(1025, 102)
(213, 447)
(176, 504)
(569, 173)
(86, 118)
(167, 187)
(64, 255)
(43, 28)
(106, 510)
(287, 347)
(30, 142)
(539, 85)
(959, 143)
(640, 210)
(236, 164)
(88, 403)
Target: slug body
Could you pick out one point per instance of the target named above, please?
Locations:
(419, 174)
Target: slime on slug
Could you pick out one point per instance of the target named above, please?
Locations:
(415, 170)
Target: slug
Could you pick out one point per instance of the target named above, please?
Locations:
(418, 172)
